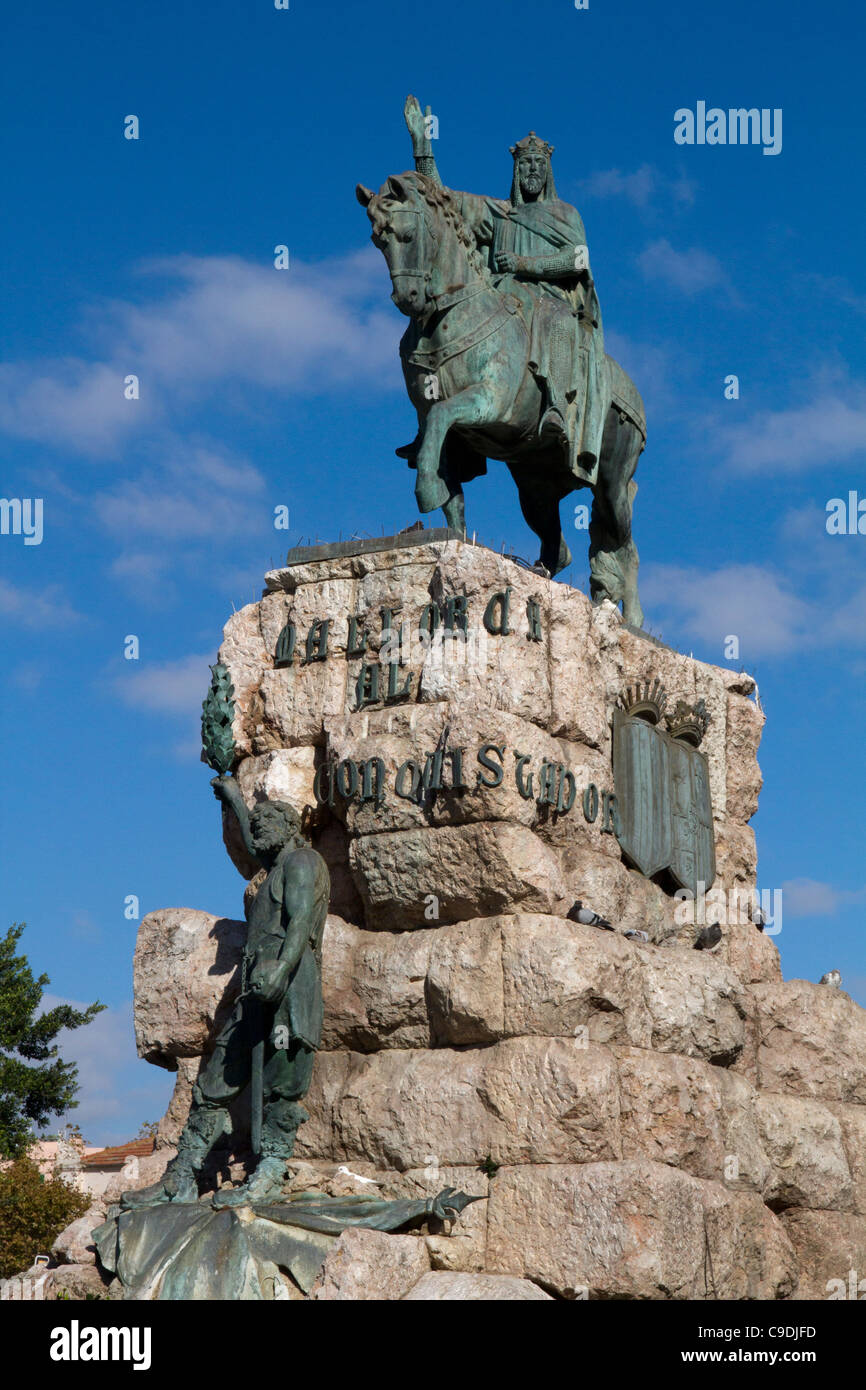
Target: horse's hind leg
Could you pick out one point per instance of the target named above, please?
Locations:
(613, 557)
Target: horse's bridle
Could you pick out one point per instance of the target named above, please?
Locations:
(438, 302)
(424, 276)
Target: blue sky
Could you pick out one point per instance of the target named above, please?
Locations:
(261, 387)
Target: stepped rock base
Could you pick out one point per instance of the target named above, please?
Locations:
(645, 1120)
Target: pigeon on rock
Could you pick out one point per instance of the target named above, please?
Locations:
(759, 917)
(585, 915)
(634, 935)
(708, 937)
(832, 978)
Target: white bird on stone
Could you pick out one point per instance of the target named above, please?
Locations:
(357, 1176)
(832, 978)
(585, 915)
(759, 917)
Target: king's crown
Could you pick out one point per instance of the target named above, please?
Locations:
(688, 723)
(531, 144)
(645, 700)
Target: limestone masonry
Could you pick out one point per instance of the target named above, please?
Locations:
(646, 1120)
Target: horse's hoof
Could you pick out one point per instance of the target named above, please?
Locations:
(431, 493)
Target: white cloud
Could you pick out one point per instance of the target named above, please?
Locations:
(807, 897)
(826, 430)
(195, 493)
(688, 271)
(763, 604)
(67, 401)
(749, 601)
(85, 926)
(169, 687)
(316, 328)
(638, 187)
(29, 675)
(837, 287)
(311, 327)
(117, 1091)
(144, 570)
(36, 608)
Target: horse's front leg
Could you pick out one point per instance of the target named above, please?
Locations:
(475, 405)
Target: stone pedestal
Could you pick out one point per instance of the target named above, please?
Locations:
(646, 1120)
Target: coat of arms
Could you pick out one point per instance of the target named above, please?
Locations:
(662, 787)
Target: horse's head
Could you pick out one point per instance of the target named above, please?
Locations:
(398, 214)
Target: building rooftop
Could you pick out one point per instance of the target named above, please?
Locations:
(116, 1157)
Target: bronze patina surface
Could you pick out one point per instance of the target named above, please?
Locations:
(504, 355)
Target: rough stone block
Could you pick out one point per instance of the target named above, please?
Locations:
(635, 1230)
(852, 1119)
(186, 976)
(812, 1041)
(803, 1140)
(520, 1101)
(830, 1249)
(469, 870)
(367, 1266)
(695, 1117)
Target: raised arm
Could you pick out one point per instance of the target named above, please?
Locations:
(422, 147)
(227, 791)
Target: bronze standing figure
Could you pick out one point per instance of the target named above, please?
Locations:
(270, 1041)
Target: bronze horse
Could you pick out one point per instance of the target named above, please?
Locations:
(465, 358)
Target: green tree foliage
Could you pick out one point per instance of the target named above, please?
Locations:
(35, 1082)
(33, 1212)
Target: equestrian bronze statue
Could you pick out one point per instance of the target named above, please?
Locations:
(504, 355)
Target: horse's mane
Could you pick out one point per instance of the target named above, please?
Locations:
(442, 200)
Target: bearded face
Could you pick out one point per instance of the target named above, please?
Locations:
(532, 173)
(269, 830)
